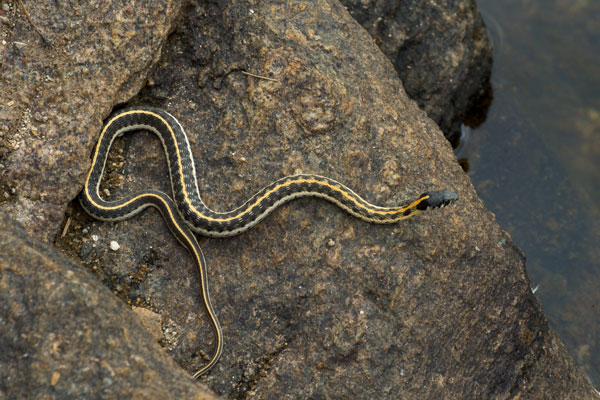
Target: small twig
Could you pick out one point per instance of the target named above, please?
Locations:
(66, 228)
(260, 77)
(46, 41)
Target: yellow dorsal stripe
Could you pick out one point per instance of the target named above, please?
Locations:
(369, 208)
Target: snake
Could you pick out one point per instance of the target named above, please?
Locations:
(186, 213)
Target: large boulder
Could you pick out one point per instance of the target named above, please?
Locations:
(63, 335)
(313, 303)
(441, 52)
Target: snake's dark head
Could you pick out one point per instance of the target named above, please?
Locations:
(436, 199)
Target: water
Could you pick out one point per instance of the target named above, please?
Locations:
(535, 161)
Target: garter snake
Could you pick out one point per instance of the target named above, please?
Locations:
(188, 213)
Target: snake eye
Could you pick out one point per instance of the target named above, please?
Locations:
(437, 198)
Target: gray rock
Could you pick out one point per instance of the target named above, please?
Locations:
(53, 98)
(63, 335)
(440, 50)
(313, 303)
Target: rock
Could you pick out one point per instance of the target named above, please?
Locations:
(314, 303)
(53, 99)
(439, 49)
(64, 335)
(438, 306)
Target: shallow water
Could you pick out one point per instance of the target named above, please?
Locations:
(535, 161)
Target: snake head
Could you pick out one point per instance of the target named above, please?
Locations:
(436, 199)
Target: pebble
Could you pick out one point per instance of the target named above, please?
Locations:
(114, 245)
(95, 238)
(5, 7)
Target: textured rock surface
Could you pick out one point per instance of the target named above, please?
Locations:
(51, 97)
(440, 50)
(63, 335)
(314, 303)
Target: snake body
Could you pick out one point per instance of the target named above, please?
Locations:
(186, 211)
